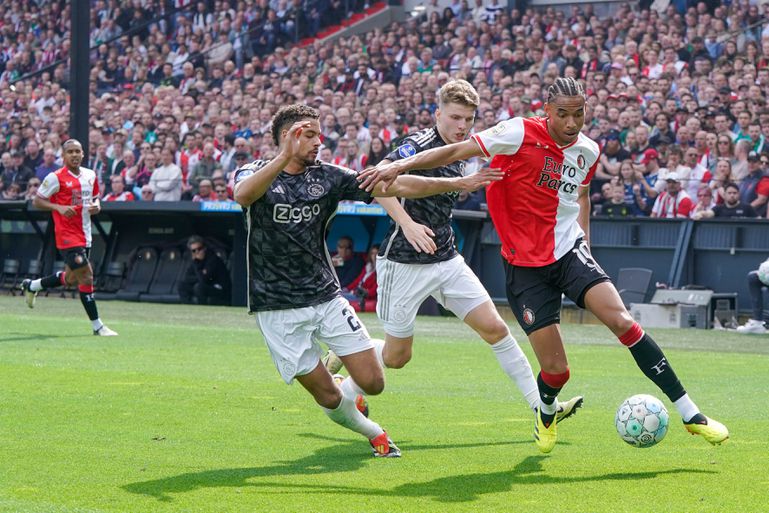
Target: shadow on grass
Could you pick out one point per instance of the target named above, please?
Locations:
(470, 487)
(347, 456)
(16, 336)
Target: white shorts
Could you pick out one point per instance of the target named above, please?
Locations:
(293, 335)
(403, 287)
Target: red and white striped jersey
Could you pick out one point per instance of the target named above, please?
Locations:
(63, 187)
(534, 207)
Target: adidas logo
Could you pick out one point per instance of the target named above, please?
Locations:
(278, 189)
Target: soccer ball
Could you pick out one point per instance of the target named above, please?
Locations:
(642, 420)
(763, 272)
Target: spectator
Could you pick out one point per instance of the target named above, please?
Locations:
(617, 206)
(15, 172)
(636, 189)
(674, 202)
(221, 192)
(754, 188)
(12, 192)
(166, 180)
(32, 186)
(147, 194)
(33, 157)
(206, 280)
(205, 167)
(732, 206)
(205, 191)
(48, 165)
(705, 205)
(347, 264)
(118, 192)
(467, 201)
(362, 291)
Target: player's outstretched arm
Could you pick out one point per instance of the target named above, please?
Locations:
(253, 187)
(436, 157)
(409, 186)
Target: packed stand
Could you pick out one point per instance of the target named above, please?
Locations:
(677, 101)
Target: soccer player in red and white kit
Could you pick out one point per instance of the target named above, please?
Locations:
(72, 194)
(541, 211)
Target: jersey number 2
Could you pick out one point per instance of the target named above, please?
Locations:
(351, 319)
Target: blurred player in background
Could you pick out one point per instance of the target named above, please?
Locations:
(72, 194)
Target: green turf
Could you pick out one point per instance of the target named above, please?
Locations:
(185, 412)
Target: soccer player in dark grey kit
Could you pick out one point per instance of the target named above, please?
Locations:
(293, 290)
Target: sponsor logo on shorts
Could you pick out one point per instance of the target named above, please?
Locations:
(288, 368)
(528, 316)
(407, 150)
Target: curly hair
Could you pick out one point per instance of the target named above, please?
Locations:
(288, 115)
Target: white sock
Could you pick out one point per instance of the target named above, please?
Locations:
(516, 366)
(686, 408)
(378, 349)
(97, 324)
(549, 409)
(36, 285)
(350, 388)
(347, 415)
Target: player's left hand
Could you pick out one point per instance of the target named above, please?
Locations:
(482, 178)
(420, 237)
(371, 176)
(94, 209)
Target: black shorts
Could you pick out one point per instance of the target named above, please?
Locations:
(534, 293)
(75, 258)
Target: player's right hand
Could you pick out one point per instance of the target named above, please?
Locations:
(66, 211)
(371, 176)
(420, 237)
(293, 140)
(482, 178)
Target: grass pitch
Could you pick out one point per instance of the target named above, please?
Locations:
(185, 412)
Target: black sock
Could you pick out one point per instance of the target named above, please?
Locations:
(89, 303)
(51, 282)
(653, 363)
(547, 395)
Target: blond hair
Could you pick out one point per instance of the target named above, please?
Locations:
(458, 91)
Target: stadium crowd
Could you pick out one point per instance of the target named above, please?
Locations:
(182, 92)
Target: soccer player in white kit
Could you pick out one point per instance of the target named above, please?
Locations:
(541, 211)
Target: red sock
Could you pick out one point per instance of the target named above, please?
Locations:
(632, 336)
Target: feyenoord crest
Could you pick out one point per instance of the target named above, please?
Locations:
(581, 161)
(78, 259)
(316, 190)
(528, 316)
